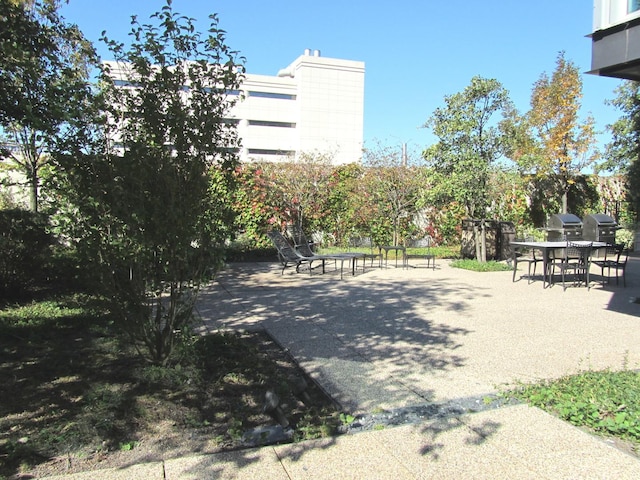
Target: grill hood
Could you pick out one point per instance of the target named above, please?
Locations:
(600, 219)
(564, 220)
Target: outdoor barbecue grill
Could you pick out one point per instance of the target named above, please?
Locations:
(599, 228)
(564, 226)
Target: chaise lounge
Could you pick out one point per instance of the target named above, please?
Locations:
(289, 257)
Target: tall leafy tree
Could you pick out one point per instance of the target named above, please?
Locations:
(469, 145)
(150, 189)
(469, 142)
(564, 144)
(43, 83)
(623, 152)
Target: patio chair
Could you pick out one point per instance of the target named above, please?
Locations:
(576, 261)
(289, 257)
(615, 258)
(526, 255)
(303, 246)
(424, 244)
(398, 250)
(372, 255)
(300, 241)
(286, 254)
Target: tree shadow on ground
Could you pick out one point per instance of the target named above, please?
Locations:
(368, 342)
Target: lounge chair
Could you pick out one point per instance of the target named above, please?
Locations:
(302, 245)
(300, 241)
(289, 257)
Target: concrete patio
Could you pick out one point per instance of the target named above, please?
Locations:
(391, 339)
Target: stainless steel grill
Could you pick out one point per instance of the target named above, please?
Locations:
(564, 226)
(599, 228)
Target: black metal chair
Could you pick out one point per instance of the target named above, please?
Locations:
(526, 255)
(372, 255)
(422, 250)
(304, 247)
(615, 259)
(576, 261)
(290, 257)
(300, 241)
(287, 255)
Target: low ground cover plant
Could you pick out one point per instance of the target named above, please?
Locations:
(606, 402)
(76, 396)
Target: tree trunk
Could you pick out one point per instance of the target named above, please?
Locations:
(483, 242)
(564, 201)
(33, 192)
(477, 240)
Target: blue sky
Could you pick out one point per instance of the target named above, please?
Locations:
(415, 51)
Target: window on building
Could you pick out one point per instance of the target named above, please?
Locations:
(633, 6)
(265, 123)
(279, 96)
(220, 91)
(266, 151)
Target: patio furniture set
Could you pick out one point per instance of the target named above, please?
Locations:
(570, 260)
(297, 252)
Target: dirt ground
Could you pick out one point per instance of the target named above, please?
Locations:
(72, 404)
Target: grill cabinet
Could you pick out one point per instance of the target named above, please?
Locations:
(564, 226)
(599, 228)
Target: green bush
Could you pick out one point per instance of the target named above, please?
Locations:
(626, 237)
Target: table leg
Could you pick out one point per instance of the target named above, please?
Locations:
(546, 275)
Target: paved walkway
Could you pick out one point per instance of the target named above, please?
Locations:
(392, 339)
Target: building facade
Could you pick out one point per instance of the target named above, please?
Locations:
(313, 106)
(615, 38)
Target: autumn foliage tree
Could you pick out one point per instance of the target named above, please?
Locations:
(551, 140)
(393, 187)
(254, 210)
(300, 187)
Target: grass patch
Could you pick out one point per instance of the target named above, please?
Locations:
(74, 390)
(606, 402)
(476, 266)
(441, 251)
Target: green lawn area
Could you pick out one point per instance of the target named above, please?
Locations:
(488, 266)
(444, 251)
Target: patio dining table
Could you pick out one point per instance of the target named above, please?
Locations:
(547, 247)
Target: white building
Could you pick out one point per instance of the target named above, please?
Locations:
(315, 105)
(615, 50)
